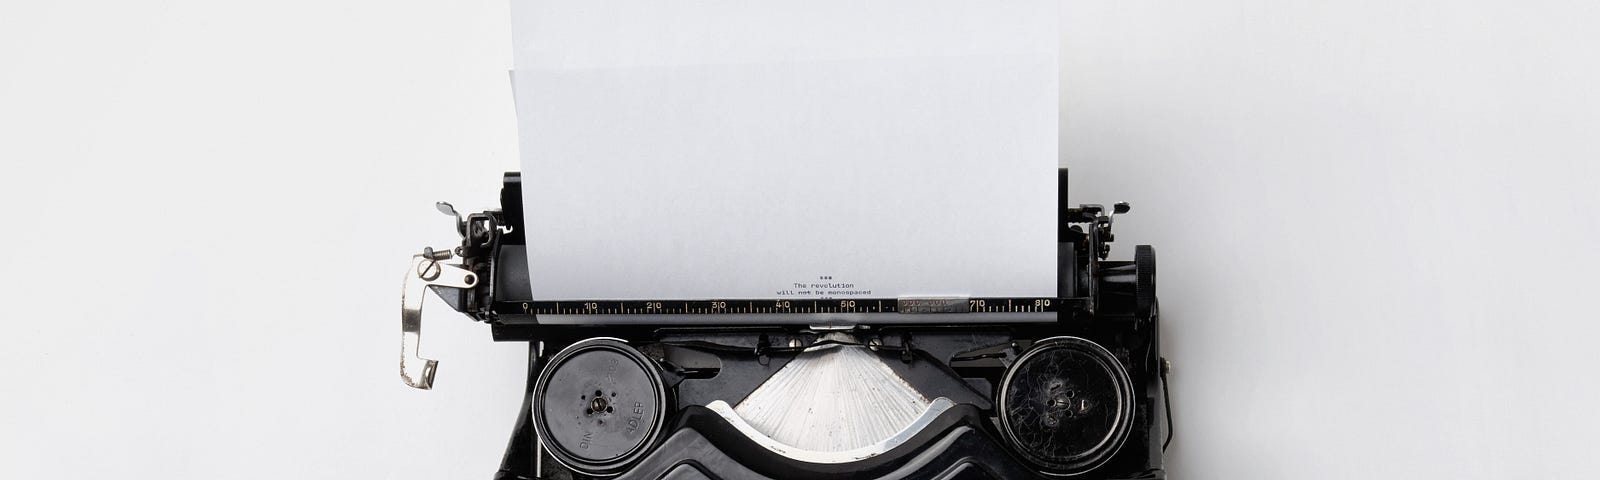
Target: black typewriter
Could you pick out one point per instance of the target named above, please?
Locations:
(903, 388)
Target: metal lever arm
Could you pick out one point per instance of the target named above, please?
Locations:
(425, 271)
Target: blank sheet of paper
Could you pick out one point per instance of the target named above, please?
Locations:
(788, 149)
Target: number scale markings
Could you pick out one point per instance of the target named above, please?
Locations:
(771, 306)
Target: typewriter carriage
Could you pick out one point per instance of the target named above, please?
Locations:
(1105, 316)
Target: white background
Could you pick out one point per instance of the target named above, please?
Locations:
(1376, 224)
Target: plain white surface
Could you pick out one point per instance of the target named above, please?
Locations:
(582, 34)
(725, 175)
(756, 181)
(737, 150)
(1376, 223)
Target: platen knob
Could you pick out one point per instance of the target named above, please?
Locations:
(1144, 286)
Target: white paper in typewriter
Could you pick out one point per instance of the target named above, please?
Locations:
(788, 149)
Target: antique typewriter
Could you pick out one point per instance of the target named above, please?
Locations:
(907, 388)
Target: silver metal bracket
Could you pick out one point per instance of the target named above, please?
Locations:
(426, 270)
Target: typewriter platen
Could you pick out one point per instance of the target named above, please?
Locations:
(904, 388)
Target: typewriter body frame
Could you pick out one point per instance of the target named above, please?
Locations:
(710, 351)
